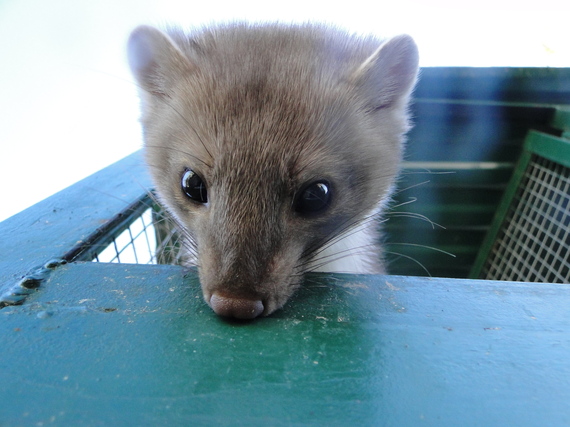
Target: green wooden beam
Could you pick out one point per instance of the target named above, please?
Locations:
(110, 344)
(59, 227)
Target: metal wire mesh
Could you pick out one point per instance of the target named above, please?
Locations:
(534, 241)
(148, 238)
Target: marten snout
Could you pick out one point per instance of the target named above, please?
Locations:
(238, 308)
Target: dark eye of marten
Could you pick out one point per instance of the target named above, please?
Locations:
(313, 198)
(193, 186)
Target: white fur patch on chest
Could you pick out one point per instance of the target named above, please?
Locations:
(357, 252)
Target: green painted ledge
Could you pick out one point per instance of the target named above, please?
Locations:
(118, 344)
(57, 228)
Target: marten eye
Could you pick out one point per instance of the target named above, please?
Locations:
(313, 198)
(193, 186)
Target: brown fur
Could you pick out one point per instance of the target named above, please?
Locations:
(258, 111)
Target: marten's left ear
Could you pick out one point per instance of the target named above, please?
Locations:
(388, 76)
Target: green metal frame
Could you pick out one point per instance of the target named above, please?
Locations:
(65, 226)
(562, 121)
(547, 146)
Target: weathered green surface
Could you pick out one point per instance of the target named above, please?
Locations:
(55, 226)
(135, 345)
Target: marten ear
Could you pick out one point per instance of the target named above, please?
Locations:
(388, 76)
(155, 60)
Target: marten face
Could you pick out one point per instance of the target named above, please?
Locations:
(269, 144)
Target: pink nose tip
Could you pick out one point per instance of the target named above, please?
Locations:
(239, 308)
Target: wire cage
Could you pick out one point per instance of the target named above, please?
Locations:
(530, 236)
(146, 235)
(506, 217)
(529, 239)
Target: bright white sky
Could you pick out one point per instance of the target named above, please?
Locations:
(68, 107)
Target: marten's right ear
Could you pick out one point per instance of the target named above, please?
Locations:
(155, 60)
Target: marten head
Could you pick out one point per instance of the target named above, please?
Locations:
(267, 144)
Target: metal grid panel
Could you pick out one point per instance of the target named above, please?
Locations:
(146, 240)
(135, 245)
(534, 241)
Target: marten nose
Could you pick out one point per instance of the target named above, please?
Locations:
(239, 308)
